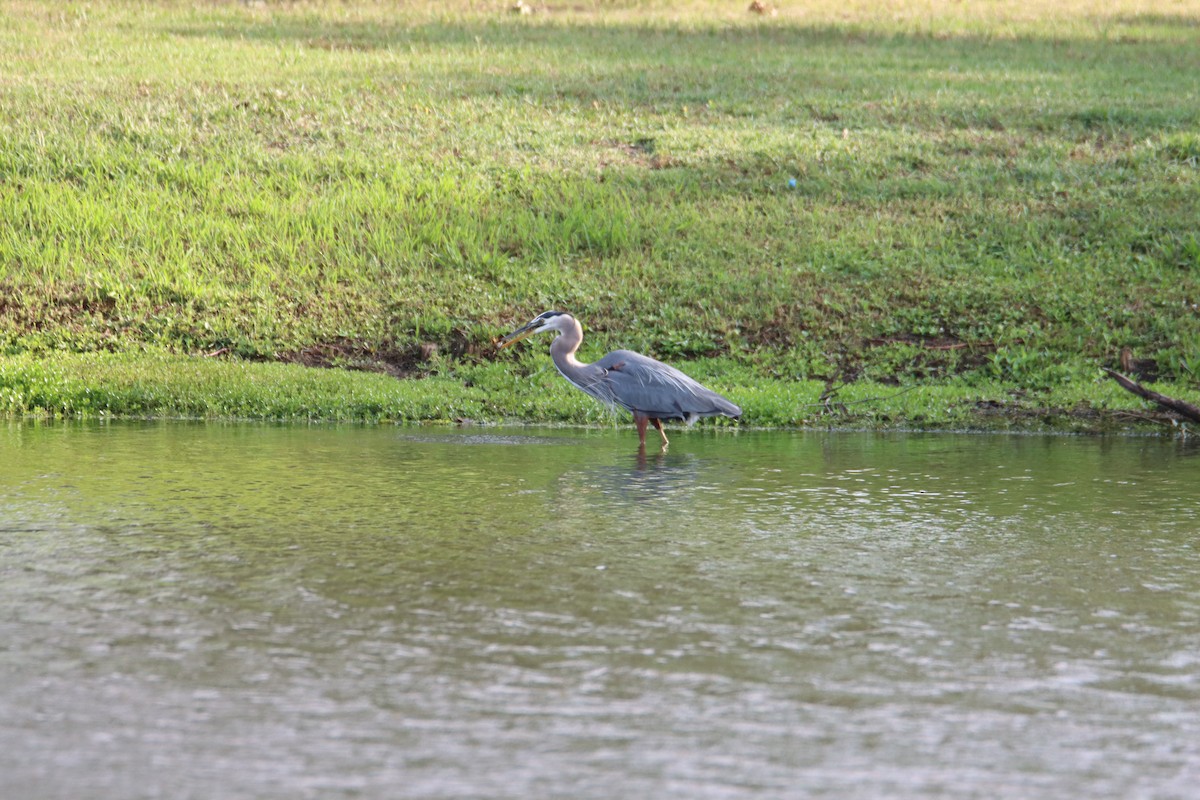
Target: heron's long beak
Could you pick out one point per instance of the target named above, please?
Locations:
(523, 332)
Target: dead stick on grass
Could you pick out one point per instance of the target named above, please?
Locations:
(1180, 407)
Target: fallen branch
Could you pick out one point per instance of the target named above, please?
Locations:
(1180, 407)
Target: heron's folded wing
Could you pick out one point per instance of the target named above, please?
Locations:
(642, 384)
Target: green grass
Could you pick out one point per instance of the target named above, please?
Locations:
(157, 384)
(990, 201)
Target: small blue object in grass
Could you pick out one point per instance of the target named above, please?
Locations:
(791, 183)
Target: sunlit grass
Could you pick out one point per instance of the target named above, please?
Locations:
(158, 384)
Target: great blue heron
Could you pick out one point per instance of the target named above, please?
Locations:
(648, 389)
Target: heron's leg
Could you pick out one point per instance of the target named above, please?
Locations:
(658, 424)
(641, 422)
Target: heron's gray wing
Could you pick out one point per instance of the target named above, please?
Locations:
(642, 384)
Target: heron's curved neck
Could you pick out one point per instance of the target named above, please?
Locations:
(562, 349)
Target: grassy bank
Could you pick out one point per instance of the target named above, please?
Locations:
(966, 209)
(157, 384)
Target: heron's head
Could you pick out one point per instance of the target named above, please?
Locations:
(546, 321)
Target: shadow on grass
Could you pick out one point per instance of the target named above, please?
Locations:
(779, 73)
(1166, 21)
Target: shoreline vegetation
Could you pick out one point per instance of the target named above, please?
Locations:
(891, 215)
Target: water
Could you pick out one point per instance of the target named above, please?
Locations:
(255, 611)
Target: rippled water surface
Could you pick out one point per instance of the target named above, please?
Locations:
(254, 611)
